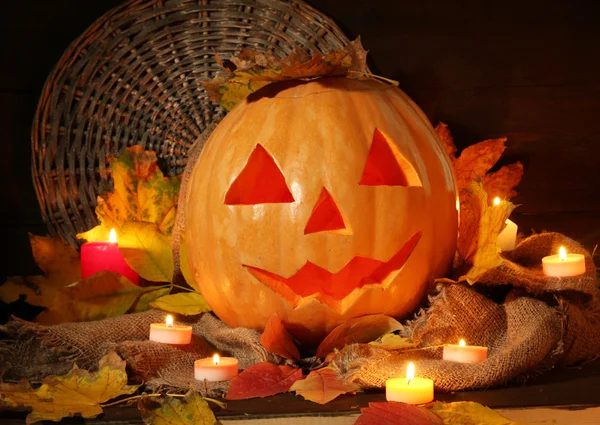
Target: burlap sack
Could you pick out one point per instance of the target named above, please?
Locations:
(541, 323)
(34, 351)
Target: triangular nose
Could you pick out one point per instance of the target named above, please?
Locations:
(326, 216)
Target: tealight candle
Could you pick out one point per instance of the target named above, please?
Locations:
(216, 368)
(463, 353)
(409, 390)
(170, 333)
(508, 236)
(105, 256)
(563, 264)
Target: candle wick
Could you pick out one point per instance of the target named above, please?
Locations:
(408, 381)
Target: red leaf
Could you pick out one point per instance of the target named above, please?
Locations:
(361, 329)
(396, 414)
(263, 380)
(322, 386)
(276, 339)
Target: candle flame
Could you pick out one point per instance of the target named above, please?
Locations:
(112, 237)
(410, 372)
(562, 253)
(216, 360)
(462, 343)
(496, 201)
(169, 321)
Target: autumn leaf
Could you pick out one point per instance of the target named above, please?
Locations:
(277, 340)
(391, 341)
(469, 413)
(478, 160)
(392, 413)
(149, 295)
(61, 266)
(77, 392)
(141, 193)
(100, 296)
(184, 266)
(186, 303)
(252, 70)
(322, 386)
(480, 225)
(360, 329)
(263, 380)
(168, 410)
(147, 251)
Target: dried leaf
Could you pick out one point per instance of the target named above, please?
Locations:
(469, 413)
(167, 410)
(322, 386)
(147, 251)
(391, 341)
(77, 392)
(447, 140)
(380, 413)
(252, 70)
(477, 160)
(263, 380)
(141, 193)
(360, 329)
(61, 266)
(103, 295)
(278, 341)
(186, 303)
(502, 183)
(480, 225)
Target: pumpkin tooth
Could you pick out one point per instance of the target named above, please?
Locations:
(331, 288)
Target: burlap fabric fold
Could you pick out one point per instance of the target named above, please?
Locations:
(35, 351)
(542, 322)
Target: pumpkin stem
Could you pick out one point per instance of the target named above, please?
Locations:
(377, 77)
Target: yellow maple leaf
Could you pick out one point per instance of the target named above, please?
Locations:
(61, 266)
(471, 413)
(141, 193)
(391, 341)
(192, 410)
(480, 225)
(77, 392)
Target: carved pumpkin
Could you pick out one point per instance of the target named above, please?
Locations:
(320, 201)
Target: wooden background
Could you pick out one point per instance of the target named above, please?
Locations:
(527, 70)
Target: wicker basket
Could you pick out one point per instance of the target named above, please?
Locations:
(133, 78)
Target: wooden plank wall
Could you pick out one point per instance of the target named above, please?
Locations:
(526, 70)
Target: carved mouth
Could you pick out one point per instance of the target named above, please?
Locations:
(331, 288)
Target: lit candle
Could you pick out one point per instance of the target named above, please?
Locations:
(216, 368)
(409, 390)
(563, 264)
(463, 353)
(101, 256)
(170, 333)
(508, 236)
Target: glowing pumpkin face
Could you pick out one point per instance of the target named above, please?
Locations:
(327, 201)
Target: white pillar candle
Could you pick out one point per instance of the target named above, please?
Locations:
(409, 390)
(216, 368)
(463, 353)
(170, 333)
(508, 236)
(563, 264)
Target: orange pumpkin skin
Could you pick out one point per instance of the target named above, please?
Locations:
(243, 240)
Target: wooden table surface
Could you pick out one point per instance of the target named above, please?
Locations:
(566, 395)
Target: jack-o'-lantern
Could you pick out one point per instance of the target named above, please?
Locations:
(320, 201)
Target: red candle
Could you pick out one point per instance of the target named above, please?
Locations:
(105, 256)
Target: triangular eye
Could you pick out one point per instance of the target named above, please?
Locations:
(326, 216)
(385, 166)
(260, 182)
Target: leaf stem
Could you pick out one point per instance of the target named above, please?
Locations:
(377, 77)
(135, 397)
(182, 287)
